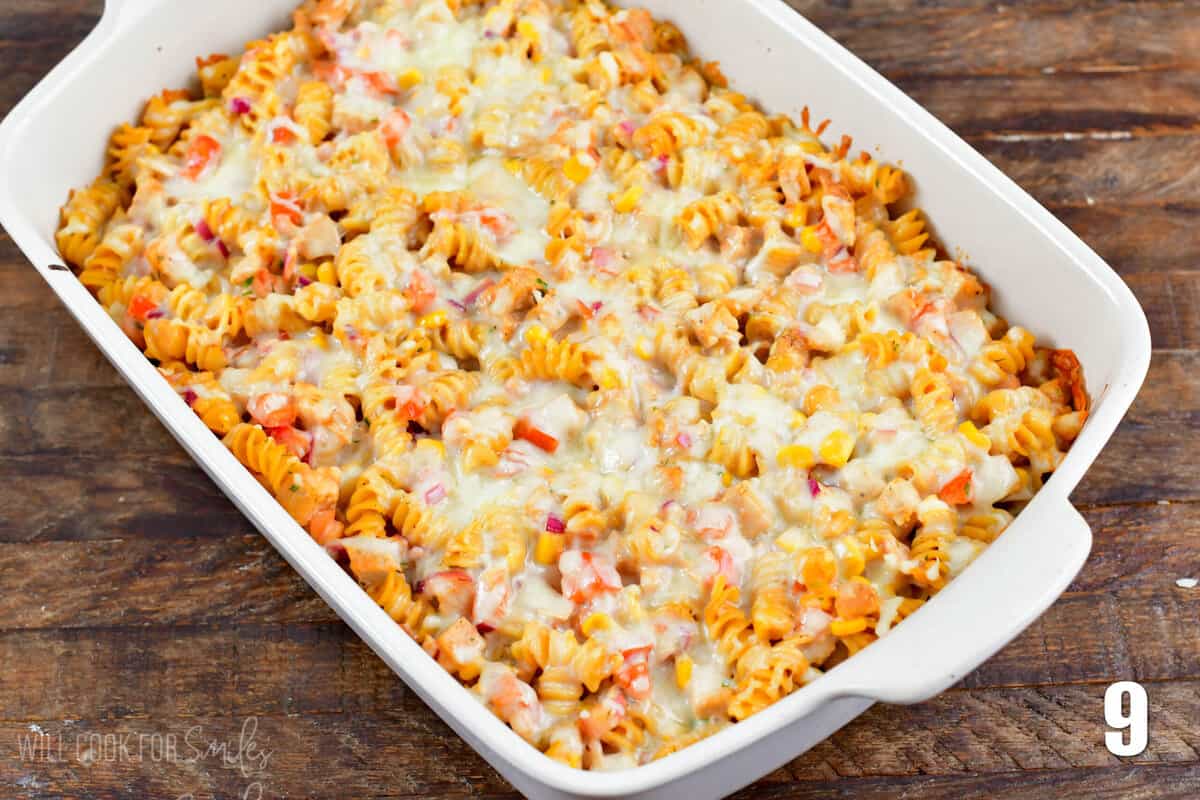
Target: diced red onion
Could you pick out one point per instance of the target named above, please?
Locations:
(155, 313)
(435, 495)
(484, 628)
(456, 304)
(239, 105)
(303, 281)
(627, 127)
(596, 306)
(338, 551)
(189, 397)
(222, 249)
(555, 525)
(684, 440)
(470, 299)
(204, 232)
(814, 488)
(419, 587)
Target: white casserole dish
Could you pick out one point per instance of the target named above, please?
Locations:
(1042, 275)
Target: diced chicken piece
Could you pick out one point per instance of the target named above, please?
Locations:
(512, 700)
(460, 649)
(454, 591)
(318, 239)
(753, 513)
(373, 559)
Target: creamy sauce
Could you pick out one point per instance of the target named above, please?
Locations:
(613, 370)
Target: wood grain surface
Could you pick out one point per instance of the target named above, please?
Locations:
(152, 645)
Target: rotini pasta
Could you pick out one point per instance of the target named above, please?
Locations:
(636, 406)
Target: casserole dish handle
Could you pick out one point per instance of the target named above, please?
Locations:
(1052, 541)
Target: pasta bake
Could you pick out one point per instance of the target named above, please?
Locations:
(638, 407)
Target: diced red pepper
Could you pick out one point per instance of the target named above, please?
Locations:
(201, 154)
(380, 82)
(285, 205)
(272, 409)
(394, 126)
(722, 565)
(421, 291)
(329, 72)
(282, 135)
(957, 492)
(634, 674)
(140, 307)
(412, 409)
(535, 436)
(296, 441)
(263, 283)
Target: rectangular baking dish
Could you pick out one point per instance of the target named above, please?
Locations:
(1042, 275)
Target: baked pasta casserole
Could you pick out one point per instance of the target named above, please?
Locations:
(636, 406)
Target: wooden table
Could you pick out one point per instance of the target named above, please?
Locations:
(144, 624)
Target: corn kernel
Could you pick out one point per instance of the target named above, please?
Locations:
(792, 540)
(513, 165)
(547, 74)
(821, 397)
(634, 610)
(410, 78)
(642, 348)
(937, 362)
(846, 627)
(308, 270)
(727, 479)
(327, 274)
(549, 547)
(609, 379)
(797, 456)
(797, 216)
(526, 30)
(683, 671)
(810, 239)
(836, 449)
(813, 147)
(627, 200)
(598, 621)
(319, 339)
(433, 444)
(434, 319)
(578, 167)
(853, 559)
(818, 568)
(537, 334)
(799, 420)
(974, 435)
